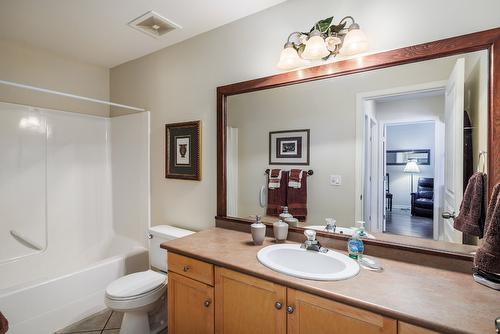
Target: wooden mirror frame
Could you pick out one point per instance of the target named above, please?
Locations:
(484, 40)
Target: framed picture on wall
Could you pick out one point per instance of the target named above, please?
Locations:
(290, 147)
(183, 150)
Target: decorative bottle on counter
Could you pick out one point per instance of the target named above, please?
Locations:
(355, 246)
(258, 231)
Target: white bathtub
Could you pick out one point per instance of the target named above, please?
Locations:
(57, 294)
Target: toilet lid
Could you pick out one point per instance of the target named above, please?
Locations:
(135, 284)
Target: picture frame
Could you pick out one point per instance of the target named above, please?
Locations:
(401, 157)
(289, 147)
(183, 150)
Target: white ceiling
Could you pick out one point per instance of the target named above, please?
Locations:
(96, 31)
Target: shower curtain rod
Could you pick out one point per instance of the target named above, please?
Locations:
(55, 92)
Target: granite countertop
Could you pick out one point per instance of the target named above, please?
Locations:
(444, 301)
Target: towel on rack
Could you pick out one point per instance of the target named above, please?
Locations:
(275, 178)
(487, 257)
(472, 214)
(4, 324)
(297, 197)
(276, 195)
(295, 178)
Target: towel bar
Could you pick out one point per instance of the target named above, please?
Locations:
(309, 172)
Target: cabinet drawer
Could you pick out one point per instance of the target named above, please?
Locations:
(189, 267)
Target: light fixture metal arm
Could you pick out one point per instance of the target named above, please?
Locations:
(353, 25)
(348, 17)
(297, 34)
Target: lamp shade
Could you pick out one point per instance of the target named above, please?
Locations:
(354, 42)
(411, 167)
(315, 47)
(289, 59)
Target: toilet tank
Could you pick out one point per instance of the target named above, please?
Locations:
(157, 235)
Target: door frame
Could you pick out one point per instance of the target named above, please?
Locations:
(362, 101)
(438, 169)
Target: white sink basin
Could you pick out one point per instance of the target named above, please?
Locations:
(292, 260)
(340, 230)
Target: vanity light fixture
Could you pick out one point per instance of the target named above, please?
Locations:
(324, 40)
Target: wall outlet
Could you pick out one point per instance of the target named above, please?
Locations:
(335, 180)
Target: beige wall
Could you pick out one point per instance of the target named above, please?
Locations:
(476, 101)
(37, 67)
(178, 83)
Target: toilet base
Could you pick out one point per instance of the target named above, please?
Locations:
(147, 320)
(135, 323)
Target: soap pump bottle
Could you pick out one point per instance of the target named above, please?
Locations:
(355, 246)
(361, 228)
(258, 231)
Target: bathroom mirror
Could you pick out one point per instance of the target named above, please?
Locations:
(392, 147)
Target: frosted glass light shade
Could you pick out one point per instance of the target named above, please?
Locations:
(315, 47)
(354, 42)
(289, 59)
(411, 167)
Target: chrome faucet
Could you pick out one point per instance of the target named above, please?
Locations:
(331, 225)
(311, 243)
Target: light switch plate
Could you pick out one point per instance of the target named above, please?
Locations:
(335, 180)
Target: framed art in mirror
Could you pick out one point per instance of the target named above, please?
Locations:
(290, 147)
(183, 150)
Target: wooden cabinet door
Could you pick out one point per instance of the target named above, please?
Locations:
(404, 328)
(248, 305)
(313, 314)
(190, 306)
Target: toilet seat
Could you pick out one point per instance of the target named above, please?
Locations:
(136, 291)
(135, 285)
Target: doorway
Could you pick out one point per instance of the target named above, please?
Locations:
(409, 178)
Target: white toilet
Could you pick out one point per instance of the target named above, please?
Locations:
(141, 296)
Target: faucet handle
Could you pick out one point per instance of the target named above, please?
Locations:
(330, 221)
(310, 235)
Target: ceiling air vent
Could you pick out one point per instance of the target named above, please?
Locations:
(153, 24)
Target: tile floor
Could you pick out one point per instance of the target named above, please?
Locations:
(105, 322)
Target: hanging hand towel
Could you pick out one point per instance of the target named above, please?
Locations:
(276, 195)
(275, 178)
(488, 255)
(297, 197)
(4, 324)
(472, 213)
(295, 178)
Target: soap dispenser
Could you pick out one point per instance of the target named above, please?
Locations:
(355, 246)
(361, 228)
(285, 215)
(258, 231)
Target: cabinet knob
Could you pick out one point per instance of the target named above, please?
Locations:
(207, 302)
(278, 305)
(289, 309)
(186, 268)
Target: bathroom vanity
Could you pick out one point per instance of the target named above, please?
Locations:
(217, 285)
